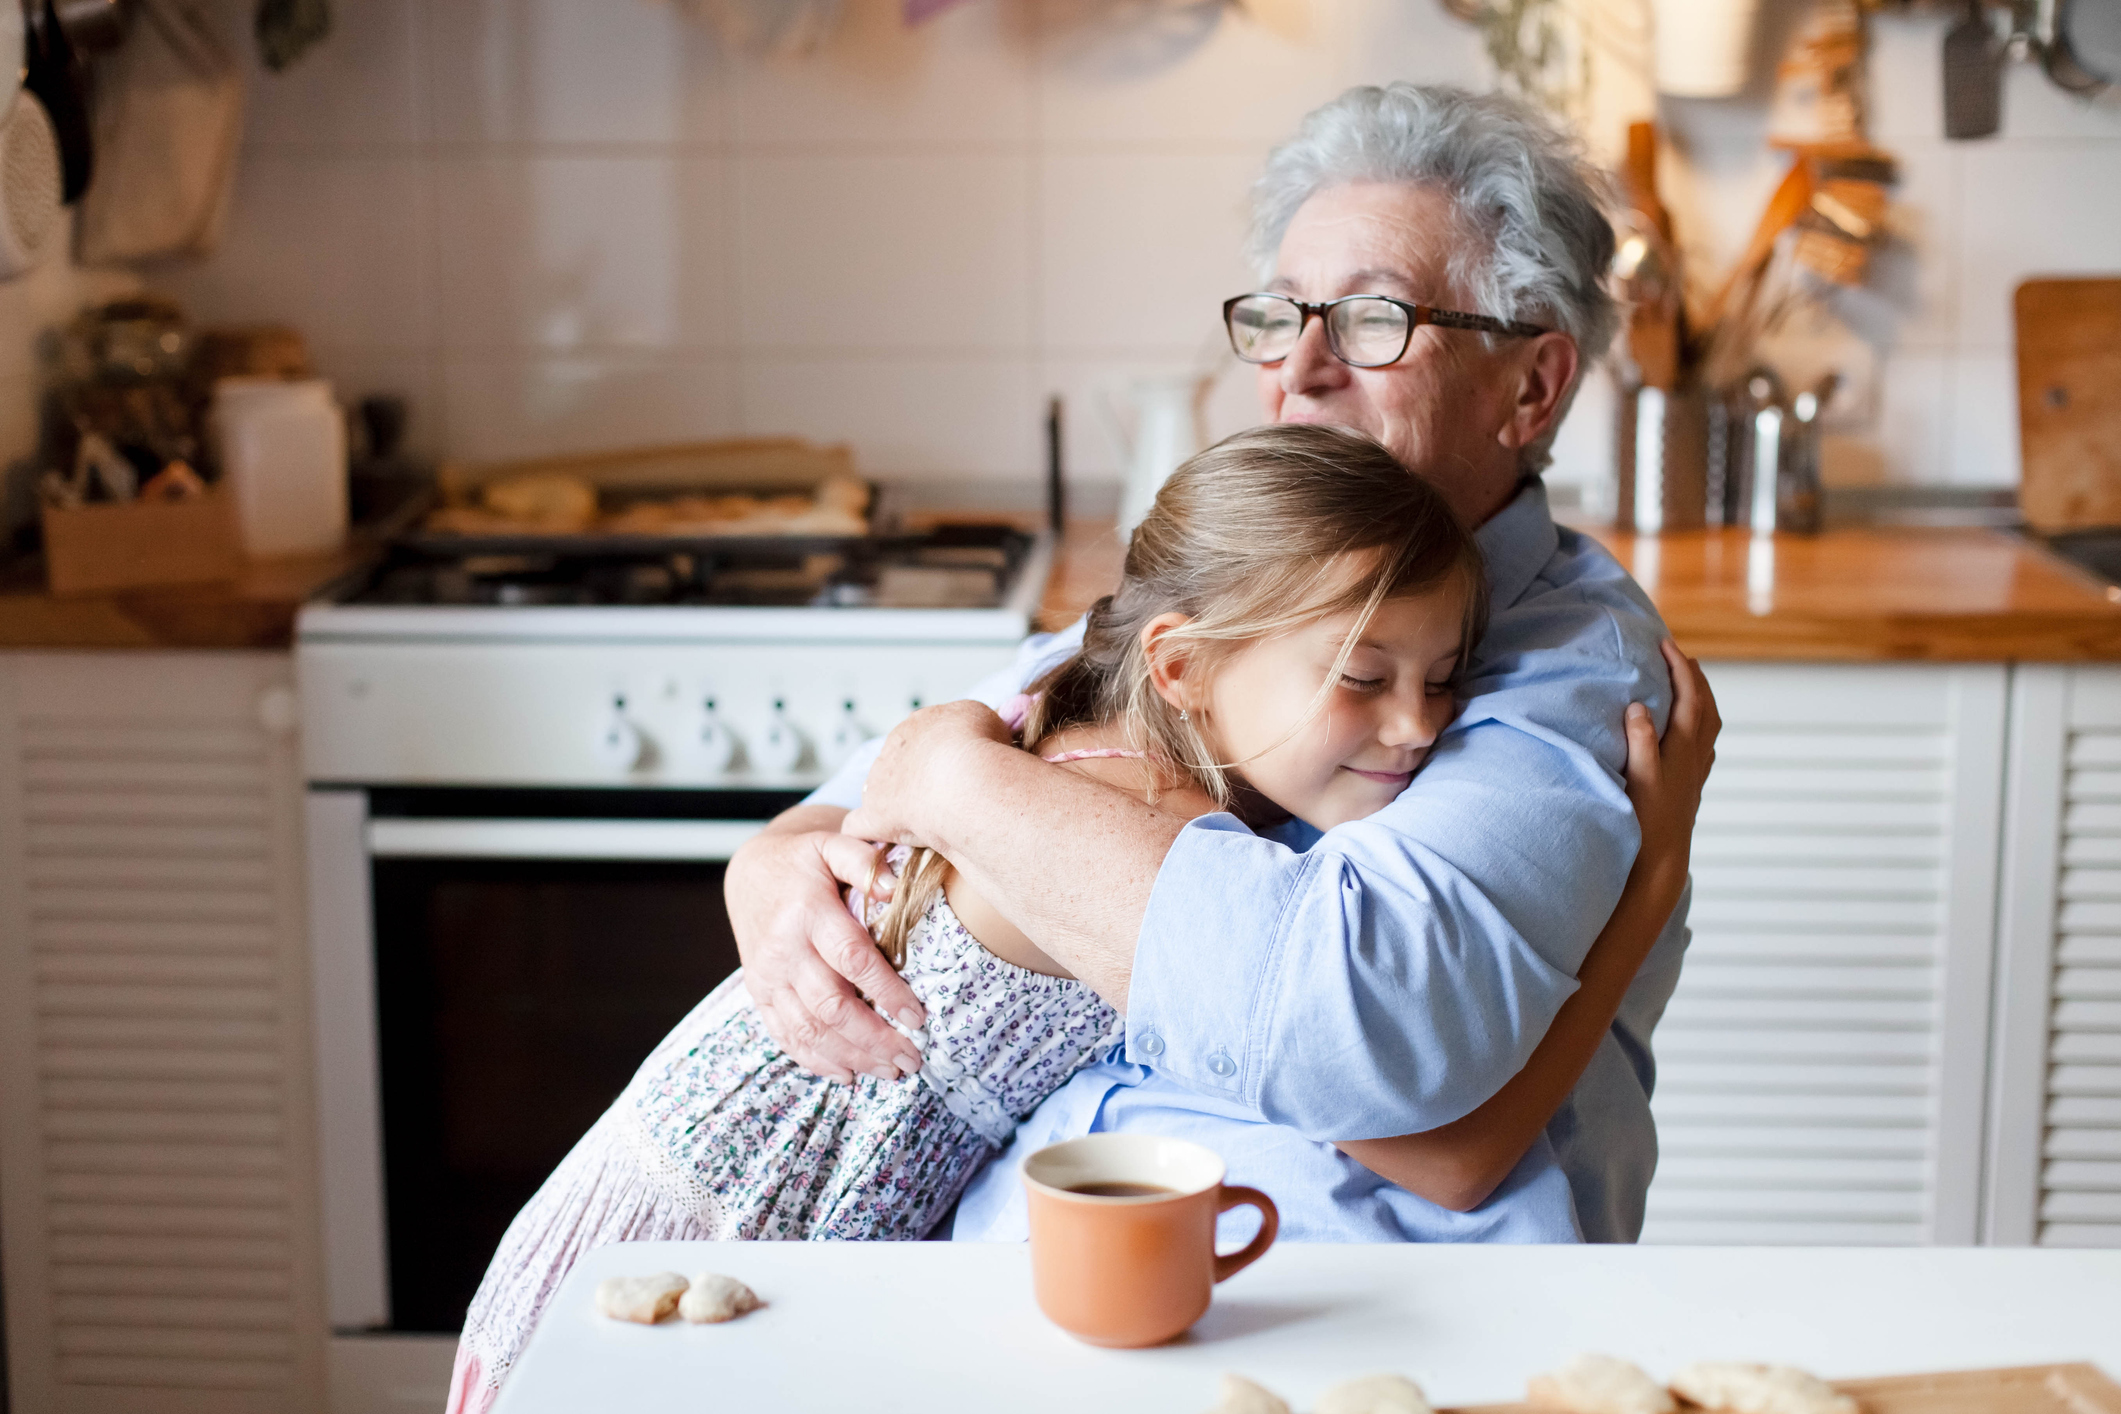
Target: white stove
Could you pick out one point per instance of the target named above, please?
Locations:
(705, 696)
(526, 777)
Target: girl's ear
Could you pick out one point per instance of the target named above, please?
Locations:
(1167, 661)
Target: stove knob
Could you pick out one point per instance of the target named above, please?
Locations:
(620, 744)
(716, 750)
(780, 748)
(845, 739)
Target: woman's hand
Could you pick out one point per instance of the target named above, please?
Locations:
(807, 964)
(1664, 779)
(911, 787)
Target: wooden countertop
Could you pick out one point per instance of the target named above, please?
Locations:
(1873, 594)
(1867, 594)
(254, 610)
(1855, 594)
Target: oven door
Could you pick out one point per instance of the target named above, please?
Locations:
(490, 968)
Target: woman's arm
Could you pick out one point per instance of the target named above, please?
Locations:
(1459, 1164)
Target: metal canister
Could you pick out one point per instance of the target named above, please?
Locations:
(1777, 463)
(1661, 459)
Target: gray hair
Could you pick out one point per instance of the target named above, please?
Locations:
(1534, 240)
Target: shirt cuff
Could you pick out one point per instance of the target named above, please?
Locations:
(845, 787)
(1206, 966)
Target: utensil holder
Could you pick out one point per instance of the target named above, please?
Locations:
(138, 544)
(1661, 459)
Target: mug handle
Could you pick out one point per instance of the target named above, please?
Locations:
(1269, 1223)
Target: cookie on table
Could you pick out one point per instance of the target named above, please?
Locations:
(1374, 1394)
(713, 1297)
(645, 1300)
(1600, 1384)
(1759, 1389)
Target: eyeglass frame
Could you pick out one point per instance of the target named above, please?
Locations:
(1417, 315)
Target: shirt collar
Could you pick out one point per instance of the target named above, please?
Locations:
(1517, 542)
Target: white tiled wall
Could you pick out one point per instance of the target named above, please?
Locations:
(565, 224)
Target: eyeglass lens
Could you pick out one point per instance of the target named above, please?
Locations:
(1364, 332)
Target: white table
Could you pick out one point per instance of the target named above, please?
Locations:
(946, 1326)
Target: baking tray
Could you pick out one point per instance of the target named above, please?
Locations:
(2024, 1389)
(592, 544)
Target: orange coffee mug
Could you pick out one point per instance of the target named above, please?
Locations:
(1123, 1235)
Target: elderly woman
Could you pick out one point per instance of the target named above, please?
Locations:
(1432, 267)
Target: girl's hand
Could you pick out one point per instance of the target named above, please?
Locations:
(1664, 779)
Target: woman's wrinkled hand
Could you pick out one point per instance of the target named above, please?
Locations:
(1664, 779)
(909, 789)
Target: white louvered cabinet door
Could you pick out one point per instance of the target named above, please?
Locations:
(156, 1140)
(1819, 1069)
(2055, 1148)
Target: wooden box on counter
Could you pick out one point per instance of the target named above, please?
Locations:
(140, 543)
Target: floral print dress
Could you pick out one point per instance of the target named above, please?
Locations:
(721, 1135)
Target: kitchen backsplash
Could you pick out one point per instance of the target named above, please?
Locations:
(561, 224)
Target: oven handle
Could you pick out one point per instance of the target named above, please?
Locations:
(704, 841)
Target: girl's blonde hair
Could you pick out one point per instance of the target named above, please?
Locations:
(1249, 539)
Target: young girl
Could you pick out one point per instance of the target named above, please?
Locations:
(1285, 640)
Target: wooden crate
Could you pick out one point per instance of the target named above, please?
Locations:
(140, 543)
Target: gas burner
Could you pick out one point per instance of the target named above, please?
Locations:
(950, 567)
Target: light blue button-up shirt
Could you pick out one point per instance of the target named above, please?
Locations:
(1292, 988)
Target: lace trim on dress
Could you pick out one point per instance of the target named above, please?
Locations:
(678, 1182)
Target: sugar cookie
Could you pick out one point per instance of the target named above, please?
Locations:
(1759, 1389)
(1600, 1384)
(713, 1297)
(643, 1299)
(1374, 1394)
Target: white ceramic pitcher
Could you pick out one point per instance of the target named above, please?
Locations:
(1165, 429)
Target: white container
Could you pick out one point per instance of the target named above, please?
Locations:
(1703, 47)
(282, 448)
(1166, 429)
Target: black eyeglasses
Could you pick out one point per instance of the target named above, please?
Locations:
(1363, 331)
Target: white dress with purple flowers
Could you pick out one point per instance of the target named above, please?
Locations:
(720, 1135)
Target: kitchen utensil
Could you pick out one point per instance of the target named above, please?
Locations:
(2083, 54)
(1703, 48)
(1780, 458)
(1661, 459)
(1646, 266)
(51, 71)
(2069, 402)
(1165, 430)
(1056, 481)
(1973, 76)
(1123, 1235)
(31, 181)
(282, 450)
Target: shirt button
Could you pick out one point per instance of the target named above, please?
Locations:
(1149, 1044)
(1221, 1066)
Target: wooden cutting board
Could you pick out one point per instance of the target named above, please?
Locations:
(2028, 1389)
(2069, 403)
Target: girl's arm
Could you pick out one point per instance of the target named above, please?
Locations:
(1459, 1164)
